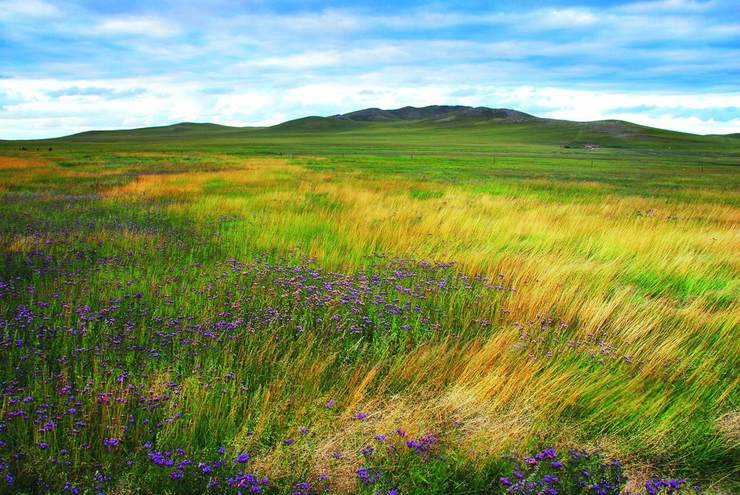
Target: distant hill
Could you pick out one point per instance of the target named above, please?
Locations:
(497, 123)
(314, 123)
(181, 130)
(438, 113)
(455, 126)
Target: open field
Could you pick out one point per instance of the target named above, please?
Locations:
(313, 293)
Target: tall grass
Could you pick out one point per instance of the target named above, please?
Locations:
(582, 309)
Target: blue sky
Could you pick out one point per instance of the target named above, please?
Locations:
(68, 66)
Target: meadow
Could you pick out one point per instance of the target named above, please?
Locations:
(377, 310)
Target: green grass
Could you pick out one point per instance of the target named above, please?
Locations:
(608, 318)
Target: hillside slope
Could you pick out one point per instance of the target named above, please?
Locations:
(181, 130)
(436, 127)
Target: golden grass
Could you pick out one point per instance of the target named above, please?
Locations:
(12, 162)
(571, 258)
(255, 172)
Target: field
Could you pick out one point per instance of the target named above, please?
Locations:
(377, 308)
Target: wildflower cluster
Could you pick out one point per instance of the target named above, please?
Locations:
(579, 472)
(93, 379)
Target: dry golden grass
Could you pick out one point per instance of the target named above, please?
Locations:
(12, 162)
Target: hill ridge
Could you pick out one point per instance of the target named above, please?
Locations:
(491, 123)
(436, 113)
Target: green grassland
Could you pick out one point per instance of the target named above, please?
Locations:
(592, 303)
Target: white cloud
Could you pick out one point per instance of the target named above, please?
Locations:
(26, 8)
(386, 52)
(137, 25)
(562, 18)
(332, 20)
(239, 107)
(684, 124)
(300, 60)
(32, 112)
(658, 6)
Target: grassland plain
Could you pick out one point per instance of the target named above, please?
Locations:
(369, 308)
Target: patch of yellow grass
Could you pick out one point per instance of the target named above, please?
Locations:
(12, 162)
(253, 172)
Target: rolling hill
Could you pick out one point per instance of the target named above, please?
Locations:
(431, 128)
(180, 130)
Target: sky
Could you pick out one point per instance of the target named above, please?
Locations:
(71, 65)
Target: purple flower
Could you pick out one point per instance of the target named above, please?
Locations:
(546, 454)
(360, 416)
(161, 459)
(505, 481)
(242, 458)
(111, 442)
(367, 476)
(288, 441)
(550, 479)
